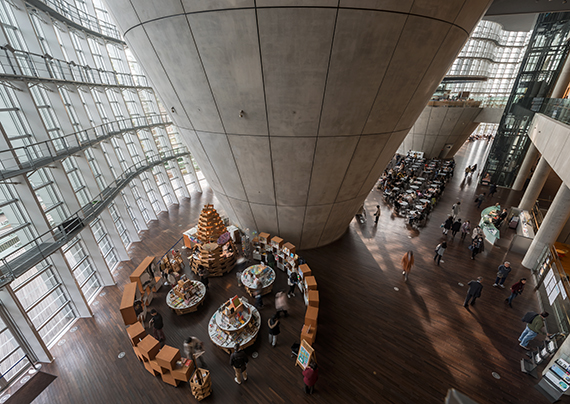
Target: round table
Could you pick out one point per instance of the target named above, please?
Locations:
(265, 274)
(395, 189)
(196, 295)
(411, 191)
(420, 179)
(424, 200)
(414, 187)
(226, 338)
(419, 207)
(404, 204)
(437, 182)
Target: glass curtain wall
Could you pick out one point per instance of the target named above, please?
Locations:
(544, 58)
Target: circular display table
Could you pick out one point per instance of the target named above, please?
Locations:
(187, 298)
(261, 274)
(235, 328)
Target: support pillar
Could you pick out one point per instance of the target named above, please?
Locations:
(551, 226)
(528, 162)
(535, 185)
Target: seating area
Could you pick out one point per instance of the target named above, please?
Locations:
(412, 185)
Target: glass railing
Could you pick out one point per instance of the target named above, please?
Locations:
(72, 13)
(457, 100)
(32, 253)
(557, 108)
(31, 157)
(21, 64)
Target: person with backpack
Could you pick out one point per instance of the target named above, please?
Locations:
(534, 325)
(238, 360)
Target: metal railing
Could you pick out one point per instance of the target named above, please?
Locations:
(32, 253)
(472, 101)
(20, 160)
(71, 13)
(23, 64)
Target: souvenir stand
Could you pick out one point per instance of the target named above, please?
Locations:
(186, 296)
(258, 273)
(212, 244)
(487, 216)
(236, 321)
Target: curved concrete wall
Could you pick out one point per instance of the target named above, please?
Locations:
(328, 91)
(440, 132)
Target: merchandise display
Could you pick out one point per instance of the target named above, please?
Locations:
(258, 277)
(186, 296)
(211, 244)
(236, 321)
(488, 215)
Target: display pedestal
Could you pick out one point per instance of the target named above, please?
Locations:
(226, 332)
(263, 273)
(201, 384)
(177, 299)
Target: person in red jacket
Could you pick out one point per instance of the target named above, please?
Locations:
(516, 290)
(310, 377)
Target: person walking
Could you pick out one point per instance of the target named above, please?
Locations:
(492, 190)
(194, 349)
(274, 329)
(477, 232)
(516, 290)
(292, 282)
(407, 264)
(474, 291)
(203, 274)
(281, 304)
(439, 250)
(480, 199)
(238, 360)
(310, 377)
(475, 247)
(157, 323)
(455, 227)
(455, 210)
(447, 224)
(467, 171)
(532, 329)
(377, 214)
(502, 274)
(465, 229)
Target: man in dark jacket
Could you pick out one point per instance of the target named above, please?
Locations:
(455, 227)
(502, 274)
(475, 288)
(238, 360)
(532, 329)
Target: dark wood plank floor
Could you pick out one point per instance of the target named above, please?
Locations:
(375, 344)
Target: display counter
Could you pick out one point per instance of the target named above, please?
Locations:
(492, 234)
(236, 321)
(255, 274)
(186, 296)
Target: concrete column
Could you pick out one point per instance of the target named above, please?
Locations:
(535, 185)
(563, 81)
(551, 226)
(529, 159)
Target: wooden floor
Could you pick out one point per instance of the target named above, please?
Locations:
(380, 340)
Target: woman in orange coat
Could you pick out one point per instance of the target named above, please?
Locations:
(407, 263)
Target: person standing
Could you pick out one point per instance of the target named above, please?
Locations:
(477, 232)
(455, 227)
(492, 190)
(274, 329)
(474, 291)
(516, 290)
(194, 349)
(475, 247)
(502, 274)
(447, 224)
(377, 214)
(532, 329)
(238, 360)
(310, 377)
(203, 274)
(281, 304)
(439, 250)
(465, 229)
(407, 264)
(480, 199)
(292, 282)
(157, 323)
(455, 210)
